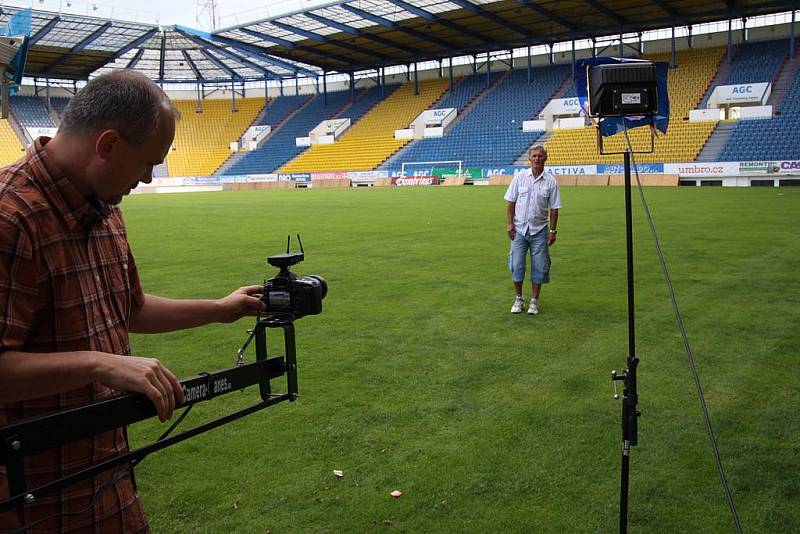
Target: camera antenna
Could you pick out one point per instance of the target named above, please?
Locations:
(301, 245)
(288, 242)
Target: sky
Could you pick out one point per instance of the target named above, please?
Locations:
(168, 12)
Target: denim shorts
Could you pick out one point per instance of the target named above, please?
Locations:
(539, 251)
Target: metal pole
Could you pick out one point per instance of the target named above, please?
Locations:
(621, 49)
(730, 41)
(233, 96)
(673, 48)
(791, 34)
(450, 72)
(47, 92)
(594, 44)
(324, 88)
(296, 85)
(266, 99)
(416, 80)
(689, 36)
(383, 83)
(488, 69)
(352, 87)
(530, 74)
(199, 107)
(573, 60)
(550, 55)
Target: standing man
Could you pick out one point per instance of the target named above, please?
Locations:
(70, 295)
(533, 198)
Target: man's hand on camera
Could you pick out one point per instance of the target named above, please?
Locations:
(512, 232)
(245, 301)
(142, 375)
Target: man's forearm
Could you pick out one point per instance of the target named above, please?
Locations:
(27, 375)
(510, 212)
(553, 219)
(159, 314)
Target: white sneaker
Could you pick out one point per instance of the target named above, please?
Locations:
(533, 309)
(518, 304)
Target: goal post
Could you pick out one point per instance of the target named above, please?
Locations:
(433, 168)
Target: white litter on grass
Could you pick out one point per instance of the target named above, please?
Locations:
(338, 473)
(396, 494)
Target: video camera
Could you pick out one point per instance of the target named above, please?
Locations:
(288, 293)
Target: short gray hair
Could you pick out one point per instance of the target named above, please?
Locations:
(125, 100)
(538, 147)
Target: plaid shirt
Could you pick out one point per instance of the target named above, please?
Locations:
(68, 282)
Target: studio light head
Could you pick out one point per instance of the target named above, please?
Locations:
(618, 89)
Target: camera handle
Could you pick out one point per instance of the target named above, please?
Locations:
(30, 436)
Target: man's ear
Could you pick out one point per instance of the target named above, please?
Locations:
(106, 144)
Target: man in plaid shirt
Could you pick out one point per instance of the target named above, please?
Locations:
(70, 295)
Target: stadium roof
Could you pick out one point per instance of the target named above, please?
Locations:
(348, 36)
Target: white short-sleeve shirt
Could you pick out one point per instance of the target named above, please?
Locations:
(534, 198)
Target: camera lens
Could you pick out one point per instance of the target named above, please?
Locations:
(323, 284)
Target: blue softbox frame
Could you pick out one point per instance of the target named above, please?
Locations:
(609, 126)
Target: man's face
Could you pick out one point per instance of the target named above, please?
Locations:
(132, 164)
(537, 158)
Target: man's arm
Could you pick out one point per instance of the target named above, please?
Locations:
(159, 314)
(28, 375)
(553, 224)
(512, 206)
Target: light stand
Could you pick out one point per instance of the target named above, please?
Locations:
(630, 396)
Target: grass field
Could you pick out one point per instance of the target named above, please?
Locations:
(417, 378)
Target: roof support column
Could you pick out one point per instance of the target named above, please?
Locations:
(641, 45)
(530, 74)
(791, 34)
(488, 70)
(416, 80)
(382, 81)
(266, 97)
(352, 87)
(281, 87)
(744, 30)
(594, 50)
(47, 93)
(324, 88)
(573, 61)
(450, 72)
(550, 57)
(199, 107)
(621, 46)
(296, 85)
(233, 96)
(689, 36)
(730, 41)
(672, 64)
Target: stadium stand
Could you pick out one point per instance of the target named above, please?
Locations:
(30, 111)
(10, 148)
(279, 108)
(687, 84)
(202, 140)
(757, 62)
(280, 146)
(371, 140)
(490, 132)
(768, 139)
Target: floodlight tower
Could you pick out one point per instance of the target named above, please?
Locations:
(207, 8)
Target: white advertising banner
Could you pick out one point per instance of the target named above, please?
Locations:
(698, 115)
(719, 169)
(533, 126)
(407, 133)
(367, 176)
(434, 131)
(789, 167)
(38, 131)
(750, 112)
(569, 122)
(570, 169)
(755, 93)
(302, 141)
